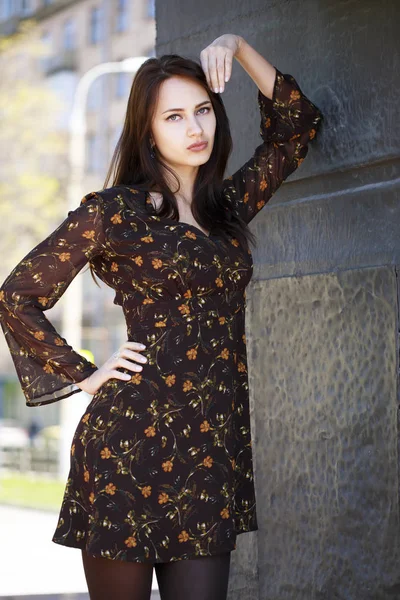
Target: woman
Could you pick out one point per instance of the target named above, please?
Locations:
(161, 461)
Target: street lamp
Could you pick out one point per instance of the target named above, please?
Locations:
(77, 123)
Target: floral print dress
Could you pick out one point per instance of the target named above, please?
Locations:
(161, 465)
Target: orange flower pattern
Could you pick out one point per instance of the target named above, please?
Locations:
(161, 464)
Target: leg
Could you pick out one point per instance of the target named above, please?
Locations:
(204, 578)
(120, 579)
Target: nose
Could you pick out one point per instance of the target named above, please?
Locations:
(194, 127)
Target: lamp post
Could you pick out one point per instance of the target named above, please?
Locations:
(71, 409)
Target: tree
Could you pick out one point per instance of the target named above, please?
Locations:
(33, 150)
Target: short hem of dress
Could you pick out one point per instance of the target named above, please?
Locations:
(76, 545)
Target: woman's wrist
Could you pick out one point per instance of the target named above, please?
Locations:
(82, 384)
(262, 72)
(240, 44)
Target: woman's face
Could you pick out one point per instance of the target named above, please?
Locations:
(183, 116)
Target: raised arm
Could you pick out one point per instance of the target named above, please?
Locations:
(289, 120)
(47, 367)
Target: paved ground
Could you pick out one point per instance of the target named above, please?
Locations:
(32, 567)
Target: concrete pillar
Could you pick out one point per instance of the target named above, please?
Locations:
(322, 314)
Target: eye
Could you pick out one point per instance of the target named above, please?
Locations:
(207, 108)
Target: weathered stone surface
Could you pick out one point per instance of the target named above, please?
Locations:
(243, 580)
(323, 374)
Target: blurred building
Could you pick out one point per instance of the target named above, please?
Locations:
(80, 34)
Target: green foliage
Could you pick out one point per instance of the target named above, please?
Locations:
(32, 148)
(31, 491)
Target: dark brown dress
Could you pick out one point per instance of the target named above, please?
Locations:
(161, 465)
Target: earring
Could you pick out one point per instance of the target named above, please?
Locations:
(152, 151)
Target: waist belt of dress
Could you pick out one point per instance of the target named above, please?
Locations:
(173, 312)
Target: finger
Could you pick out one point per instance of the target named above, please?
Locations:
(204, 63)
(212, 67)
(127, 364)
(205, 66)
(220, 72)
(118, 375)
(133, 345)
(228, 66)
(125, 353)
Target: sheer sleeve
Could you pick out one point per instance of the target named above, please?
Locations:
(288, 122)
(47, 367)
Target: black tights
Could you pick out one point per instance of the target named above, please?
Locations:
(204, 578)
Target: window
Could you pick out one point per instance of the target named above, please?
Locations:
(90, 150)
(69, 35)
(113, 140)
(122, 83)
(94, 94)
(95, 25)
(150, 52)
(92, 153)
(122, 16)
(7, 9)
(26, 7)
(47, 42)
(151, 8)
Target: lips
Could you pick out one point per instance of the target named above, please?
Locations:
(198, 146)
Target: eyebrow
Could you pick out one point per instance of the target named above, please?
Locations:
(182, 109)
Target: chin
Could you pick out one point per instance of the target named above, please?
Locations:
(200, 159)
(194, 161)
